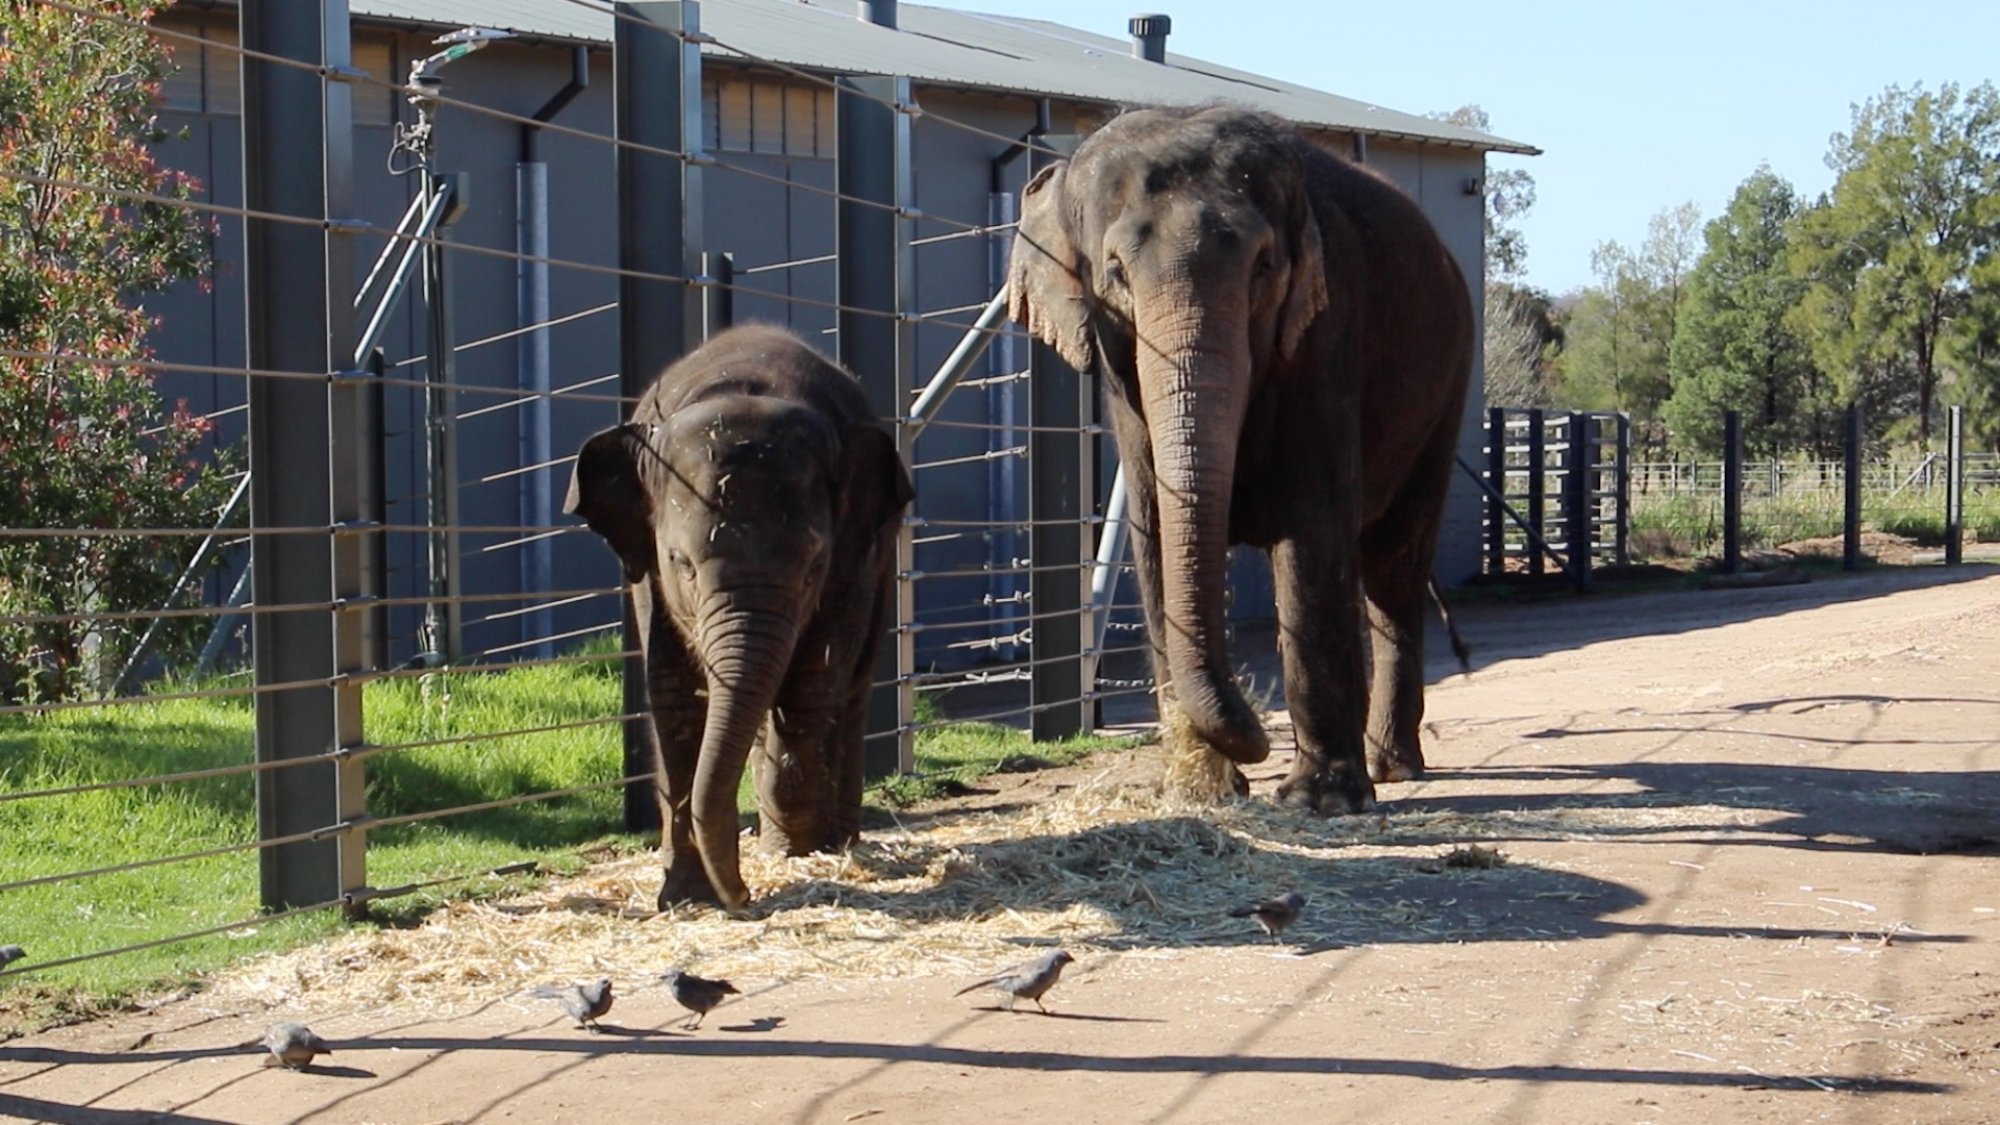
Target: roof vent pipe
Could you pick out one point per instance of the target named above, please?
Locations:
(1149, 36)
(881, 13)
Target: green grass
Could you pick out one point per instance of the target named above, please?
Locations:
(55, 835)
(1690, 526)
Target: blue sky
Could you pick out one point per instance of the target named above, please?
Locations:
(1637, 105)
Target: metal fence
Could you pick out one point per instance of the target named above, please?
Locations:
(1557, 478)
(306, 579)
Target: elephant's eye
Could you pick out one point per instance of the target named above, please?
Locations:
(682, 566)
(1114, 273)
(1266, 264)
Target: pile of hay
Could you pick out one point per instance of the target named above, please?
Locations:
(1102, 865)
(1099, 866)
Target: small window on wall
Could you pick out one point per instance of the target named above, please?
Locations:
(768, 116)
(375, 104)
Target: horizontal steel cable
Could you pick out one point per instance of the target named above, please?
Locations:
(366, 894)
(1024, 663)
(567, 394)
(292, 607)
(363, 823)
(365, 528)
(356, 677)
(990, 455)
(504, 802)
(144, 364)
(510, 333)
(362, 752)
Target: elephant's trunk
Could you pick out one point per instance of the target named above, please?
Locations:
(746, 651)
(1194, 375)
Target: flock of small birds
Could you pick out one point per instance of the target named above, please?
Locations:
(294, 1046)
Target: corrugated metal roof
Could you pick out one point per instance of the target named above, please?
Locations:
(941, 45)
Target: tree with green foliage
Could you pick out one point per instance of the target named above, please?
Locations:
(86, 443)
(1619, 334)
(1890, 254)
(1733, 348)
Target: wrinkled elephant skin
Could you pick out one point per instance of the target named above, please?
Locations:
(1285, 343)
(753, 502)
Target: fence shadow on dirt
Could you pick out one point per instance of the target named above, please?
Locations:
(1816, 808)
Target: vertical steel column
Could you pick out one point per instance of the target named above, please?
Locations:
(1061, 493)
(443, 618)
(1850, 521)
(307, 447)
(1538, 456)
(1496, 476)
(540, 488)
(1954, 486)
(1732, 491)
(877, 288)
(1624, 489)
(1579, 500)
(656, 103)
(718, 293)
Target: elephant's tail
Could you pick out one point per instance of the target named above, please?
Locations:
(1458, 648)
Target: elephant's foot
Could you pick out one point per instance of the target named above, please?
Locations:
(799, 840)
(1329, 790)
(686, 883)
(1395, 765)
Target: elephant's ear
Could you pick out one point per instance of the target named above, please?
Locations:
(872, 473)
(1305, 292)
(606, 490)
(1044, 283)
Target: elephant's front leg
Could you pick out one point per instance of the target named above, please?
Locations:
(793, 783)
(847, 751)
(676, 693)
(1319, 641)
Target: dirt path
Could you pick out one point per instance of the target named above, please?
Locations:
(1752, 874)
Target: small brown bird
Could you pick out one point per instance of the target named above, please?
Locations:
(1027, 981)
(293, 1046)
(1273, 914)
(696, 994)
(585, 1003)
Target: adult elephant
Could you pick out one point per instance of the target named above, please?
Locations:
(753, 502)
(1286, 345)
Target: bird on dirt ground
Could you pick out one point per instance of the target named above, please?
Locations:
(10, 954)
(1027, 981)
(585, 1003)
(1273, 914)
(293, 1046)
(696, 994)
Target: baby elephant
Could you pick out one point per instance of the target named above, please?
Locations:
(754, 502)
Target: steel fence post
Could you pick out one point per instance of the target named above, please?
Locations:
(1850, 522)
(876, 275)
(1624, 515)
(1579, 462)
(1496, 475)
(307, 457)
(1954, 486)
(656, 104)
(1732, 491)
(1537, 488)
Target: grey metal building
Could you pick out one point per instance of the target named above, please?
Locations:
(551, 191)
